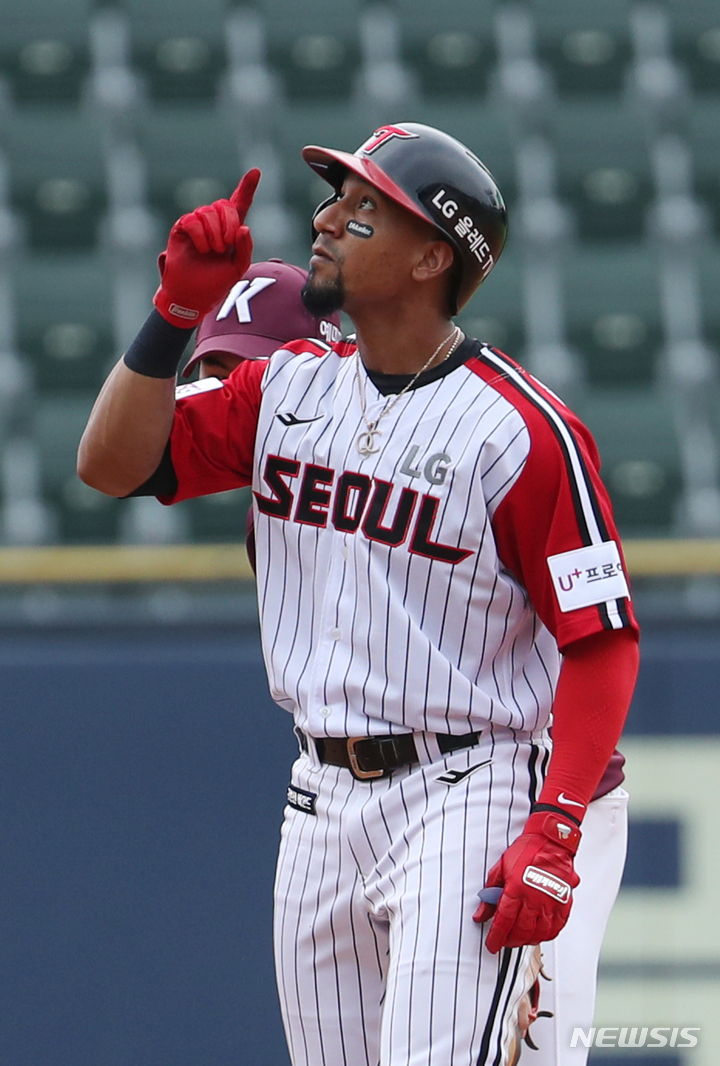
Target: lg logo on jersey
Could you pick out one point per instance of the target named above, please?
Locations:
(434, 469)
(354, 503)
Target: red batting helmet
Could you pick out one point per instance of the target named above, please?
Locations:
(439, 180)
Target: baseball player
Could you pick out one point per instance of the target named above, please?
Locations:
(253, 320)
(250, 323)
(439, 577)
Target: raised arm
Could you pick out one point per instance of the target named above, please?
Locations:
(130, 423)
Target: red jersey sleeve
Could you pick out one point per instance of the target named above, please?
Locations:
(213, 434)
(554, 528)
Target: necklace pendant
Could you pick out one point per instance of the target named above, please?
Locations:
(365, 443)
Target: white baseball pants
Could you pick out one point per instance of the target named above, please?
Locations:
(571, 960)
(379, 962)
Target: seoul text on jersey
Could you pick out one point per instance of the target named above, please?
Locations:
(359, 503)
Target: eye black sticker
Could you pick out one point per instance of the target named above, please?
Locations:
(359, 229)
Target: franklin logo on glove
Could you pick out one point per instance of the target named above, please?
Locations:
(553, 886)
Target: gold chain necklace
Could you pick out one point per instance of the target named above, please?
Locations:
(365, 443)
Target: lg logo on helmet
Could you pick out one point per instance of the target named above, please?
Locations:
(448, 207)
(465, 228)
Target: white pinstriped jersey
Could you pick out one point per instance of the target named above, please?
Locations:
(410, 589)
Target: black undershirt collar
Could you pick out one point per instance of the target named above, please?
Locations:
(389, 384)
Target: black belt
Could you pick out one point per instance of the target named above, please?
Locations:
(368, 757)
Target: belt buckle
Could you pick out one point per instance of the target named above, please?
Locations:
(362, 775)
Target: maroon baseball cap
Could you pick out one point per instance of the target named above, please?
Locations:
(261, 312)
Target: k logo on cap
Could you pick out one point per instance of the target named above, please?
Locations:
(240, 296)
(261, 312)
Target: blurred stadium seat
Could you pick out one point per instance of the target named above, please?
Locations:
(495, 313)
(316, 65)
(709, 274)
(181, 59)
(83, 515)
(44, 51)
(192, 156)
(613, 315)
(220, 517)
(56, 175)
(603, 168)
(313, 47)
(641, 467)
(704, 137)
(180, 68)
(451, 63)
(64, 308)
(586, 46)
(453, 56)
(696, 39)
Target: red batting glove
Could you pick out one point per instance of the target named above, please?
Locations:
(207, 252)
(537, 877)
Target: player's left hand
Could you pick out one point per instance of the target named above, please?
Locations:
(208, 250)
(537, 877)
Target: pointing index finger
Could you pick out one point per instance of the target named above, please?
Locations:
(243, 195)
